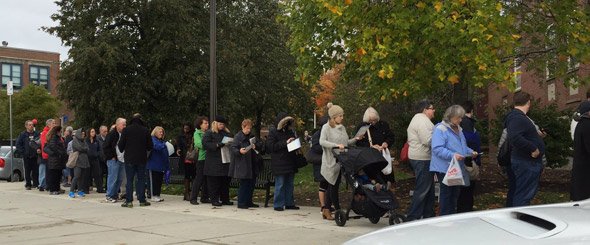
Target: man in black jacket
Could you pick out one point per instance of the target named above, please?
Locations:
(527, 150)
(28, 146)
(115, 165)
(135, 143)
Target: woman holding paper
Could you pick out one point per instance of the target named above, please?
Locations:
(157, 163)
(216, 169)
(283, 161)
(378, 136)
(244, 164)
(448, 142)
(333, 135)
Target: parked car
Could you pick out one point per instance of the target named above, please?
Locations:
(17, 168)
(563, 223)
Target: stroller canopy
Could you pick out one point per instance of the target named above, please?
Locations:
(355, 159)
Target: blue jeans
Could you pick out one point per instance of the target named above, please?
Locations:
(423, 199)
(245, 192)
(131, 170)
(526, 176)
(42, 170)
(448, 196)
(284, 190)
(116, 170)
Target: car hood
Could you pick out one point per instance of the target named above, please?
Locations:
(565, 223)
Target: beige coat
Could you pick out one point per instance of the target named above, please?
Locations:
(420, 137)
(330, 138)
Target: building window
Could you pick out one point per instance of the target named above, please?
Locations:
(518, 77)
(572, 66)
(551, 92)
(40, 76)
(11, 72)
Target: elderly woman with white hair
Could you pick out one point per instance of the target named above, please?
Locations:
(378, 136)
(448, 142)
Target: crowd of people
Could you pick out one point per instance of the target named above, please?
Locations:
(212, 156)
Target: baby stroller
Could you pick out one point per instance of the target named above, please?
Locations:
(370, 199)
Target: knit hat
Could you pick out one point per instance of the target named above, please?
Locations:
(334, 110)
(584, 107)
(220, 119)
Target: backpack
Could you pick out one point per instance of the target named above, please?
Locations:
(504, 153)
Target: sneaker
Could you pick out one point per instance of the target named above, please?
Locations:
(252, 205)
(228, 203)
(292, 207)
(72, 195)
(41, 189)
(194, 202)
(144, 204)
(111, 200)
(216, 204)
(81, 194)
(156, 199)
(28, 188)
(279, 209)
(54, 193)
(127, 205)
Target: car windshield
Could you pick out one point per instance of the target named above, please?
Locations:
(4, 151)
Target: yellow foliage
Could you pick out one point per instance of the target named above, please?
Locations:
(516, 36)
(483, 67)
(381, 74)
(489, 36)
(454, 79)
(474, 40)
(348, 2)
(437, 6)
(361, 51)
(499, 6)
(421, 5)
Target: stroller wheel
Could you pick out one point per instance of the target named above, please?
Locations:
(374, 220)
(340, 217)
(395, 219)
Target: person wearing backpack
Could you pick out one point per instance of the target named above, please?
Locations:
(314, 156)
(528, 148)
(27, 145)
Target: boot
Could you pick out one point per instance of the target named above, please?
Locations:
(187, 190)
(326, 214)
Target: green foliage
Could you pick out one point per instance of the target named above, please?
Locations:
(413, 47)
(152, 57)
(32, 102)
(558, 142)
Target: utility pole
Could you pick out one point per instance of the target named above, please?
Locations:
(212, 60)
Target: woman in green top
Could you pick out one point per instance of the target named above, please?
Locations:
(200, 183)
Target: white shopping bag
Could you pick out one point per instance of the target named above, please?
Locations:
(387, 155)
(454, 175)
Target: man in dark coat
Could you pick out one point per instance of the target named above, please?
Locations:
(135, 143)
(215, 169)
(581, 168)
(465, 201)
(28, 146)
(527, 150)
(283, 162)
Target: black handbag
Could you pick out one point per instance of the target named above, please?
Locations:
(300, 160)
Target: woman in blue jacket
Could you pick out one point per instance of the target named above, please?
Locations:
(158, 163)
(448, 142)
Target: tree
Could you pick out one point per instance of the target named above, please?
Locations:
(152, 57)
(134, 56)
(414, 47)
(32, 102)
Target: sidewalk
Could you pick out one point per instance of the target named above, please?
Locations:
(33, 217)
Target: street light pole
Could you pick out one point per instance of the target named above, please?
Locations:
(212, 60)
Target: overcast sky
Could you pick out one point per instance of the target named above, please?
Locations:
(21, 21)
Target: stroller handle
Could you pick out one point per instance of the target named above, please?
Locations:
(336, 150)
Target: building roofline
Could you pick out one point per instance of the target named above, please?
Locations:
(34, 50)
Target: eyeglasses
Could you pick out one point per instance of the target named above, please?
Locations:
(430, 108)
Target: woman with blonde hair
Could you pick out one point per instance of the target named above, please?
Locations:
(157, 163)
(215, 169)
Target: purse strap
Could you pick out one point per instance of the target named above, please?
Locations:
(370, 138)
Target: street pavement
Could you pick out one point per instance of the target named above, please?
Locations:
(33, 217)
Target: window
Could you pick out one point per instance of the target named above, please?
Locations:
(572, 67)
(11, 72)
(518, 77)
(551, 92)
(551, 63)
(40, 76)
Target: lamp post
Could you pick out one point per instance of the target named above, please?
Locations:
(212, 60)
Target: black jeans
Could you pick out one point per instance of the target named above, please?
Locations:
(465, 201)
(200, 182)
(31, 172)
(157, 178)
(79, 181)
(96, 175)
(332, 196)
(219, 188)
(245, 192)
(53, 179)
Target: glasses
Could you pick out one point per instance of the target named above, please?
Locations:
(430, 108)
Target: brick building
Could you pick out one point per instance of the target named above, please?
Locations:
(26, 66)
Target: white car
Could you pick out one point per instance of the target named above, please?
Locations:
(563, 223)
(17, 173)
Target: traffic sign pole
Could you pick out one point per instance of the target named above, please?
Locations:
(9, 92)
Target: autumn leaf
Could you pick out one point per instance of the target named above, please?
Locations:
(348, 2)
(454, 79)
(516, 36)
(437, 6)
(499, 6)
(483, 67)
(381, 74)
(361, 51)
(421, 5)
